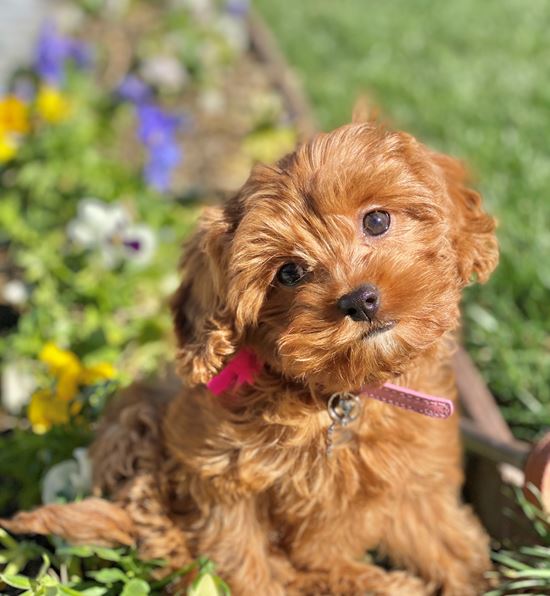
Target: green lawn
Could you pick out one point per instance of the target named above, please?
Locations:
(470, 78)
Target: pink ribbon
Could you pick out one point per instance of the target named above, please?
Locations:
(245, 365)
(241, 369)
(408, 399)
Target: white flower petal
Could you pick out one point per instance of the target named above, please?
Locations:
(57, 482)
(234, 31)
(212, 102)
(68, 479)
(83, 481)
(165, 71)
(15, 292)
(82, 233)
(103, 218)
(145, 240)
(18, 385)
(111, 255)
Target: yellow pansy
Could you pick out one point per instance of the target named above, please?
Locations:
(65, 366)
(70, 372)
(50, 407)
(46, 410)
(14, 115)
(97, 372)
(8, 147)
(52, 105)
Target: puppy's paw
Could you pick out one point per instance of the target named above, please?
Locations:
(467, 586)
(399, 583)
(357, 580)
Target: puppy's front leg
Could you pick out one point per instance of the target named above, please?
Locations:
(329, 555)
(237, 541)
(440, 539)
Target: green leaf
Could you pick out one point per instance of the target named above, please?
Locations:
(204, 585)
(71, 592)
(95, 591)
(78, 551)
(109, 576)
(534, 573)
(108, 554)
(136, 587)
(16, 581)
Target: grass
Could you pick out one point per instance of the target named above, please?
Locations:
(469, 78)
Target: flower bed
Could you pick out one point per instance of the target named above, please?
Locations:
(128, 120)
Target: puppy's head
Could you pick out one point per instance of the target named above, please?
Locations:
(339, 265)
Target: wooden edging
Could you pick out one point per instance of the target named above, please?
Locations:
(283, 78)
(478, 401)
(495, 450)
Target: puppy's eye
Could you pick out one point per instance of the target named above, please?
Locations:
(290, 274)
(376, 223)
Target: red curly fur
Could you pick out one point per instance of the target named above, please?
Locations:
(245, 479)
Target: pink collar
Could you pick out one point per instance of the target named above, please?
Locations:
(245, 365)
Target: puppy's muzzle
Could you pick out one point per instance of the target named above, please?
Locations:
(361, 304)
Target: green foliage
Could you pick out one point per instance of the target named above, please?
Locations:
(525, 570)
(25, 457)
(95, 571)
(465, 77)
(96, 313)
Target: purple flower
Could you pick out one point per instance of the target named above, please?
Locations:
(80, 52)
(237, 8)
(157, 131)
(53, 51)
(155, 125)
(133, 89)
(162, 160)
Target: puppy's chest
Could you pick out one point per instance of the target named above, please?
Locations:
(357, 470)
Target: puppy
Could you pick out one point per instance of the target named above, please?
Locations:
(339, 268)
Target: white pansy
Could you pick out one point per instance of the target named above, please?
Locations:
(108, 228)
(139, 244)
(18, 385)
(15, 292)
(212, 102)
(165, 72)
(234, 31)
(69, 479)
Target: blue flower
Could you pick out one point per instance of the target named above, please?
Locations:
(133, 89)
(163, 159)
(237, 8)
(157, 131)
(155, 125)
(53, 51)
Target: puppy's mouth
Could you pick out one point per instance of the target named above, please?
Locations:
(378, 328)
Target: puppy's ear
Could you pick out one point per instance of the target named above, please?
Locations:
(473, 230)
(203, 324)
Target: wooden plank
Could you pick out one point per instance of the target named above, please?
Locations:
(283, 78)
(477, 400)
(493, 449)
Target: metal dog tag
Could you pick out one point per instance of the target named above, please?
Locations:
(343, 409)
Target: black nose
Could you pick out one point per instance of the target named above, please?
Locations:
(361, 304)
